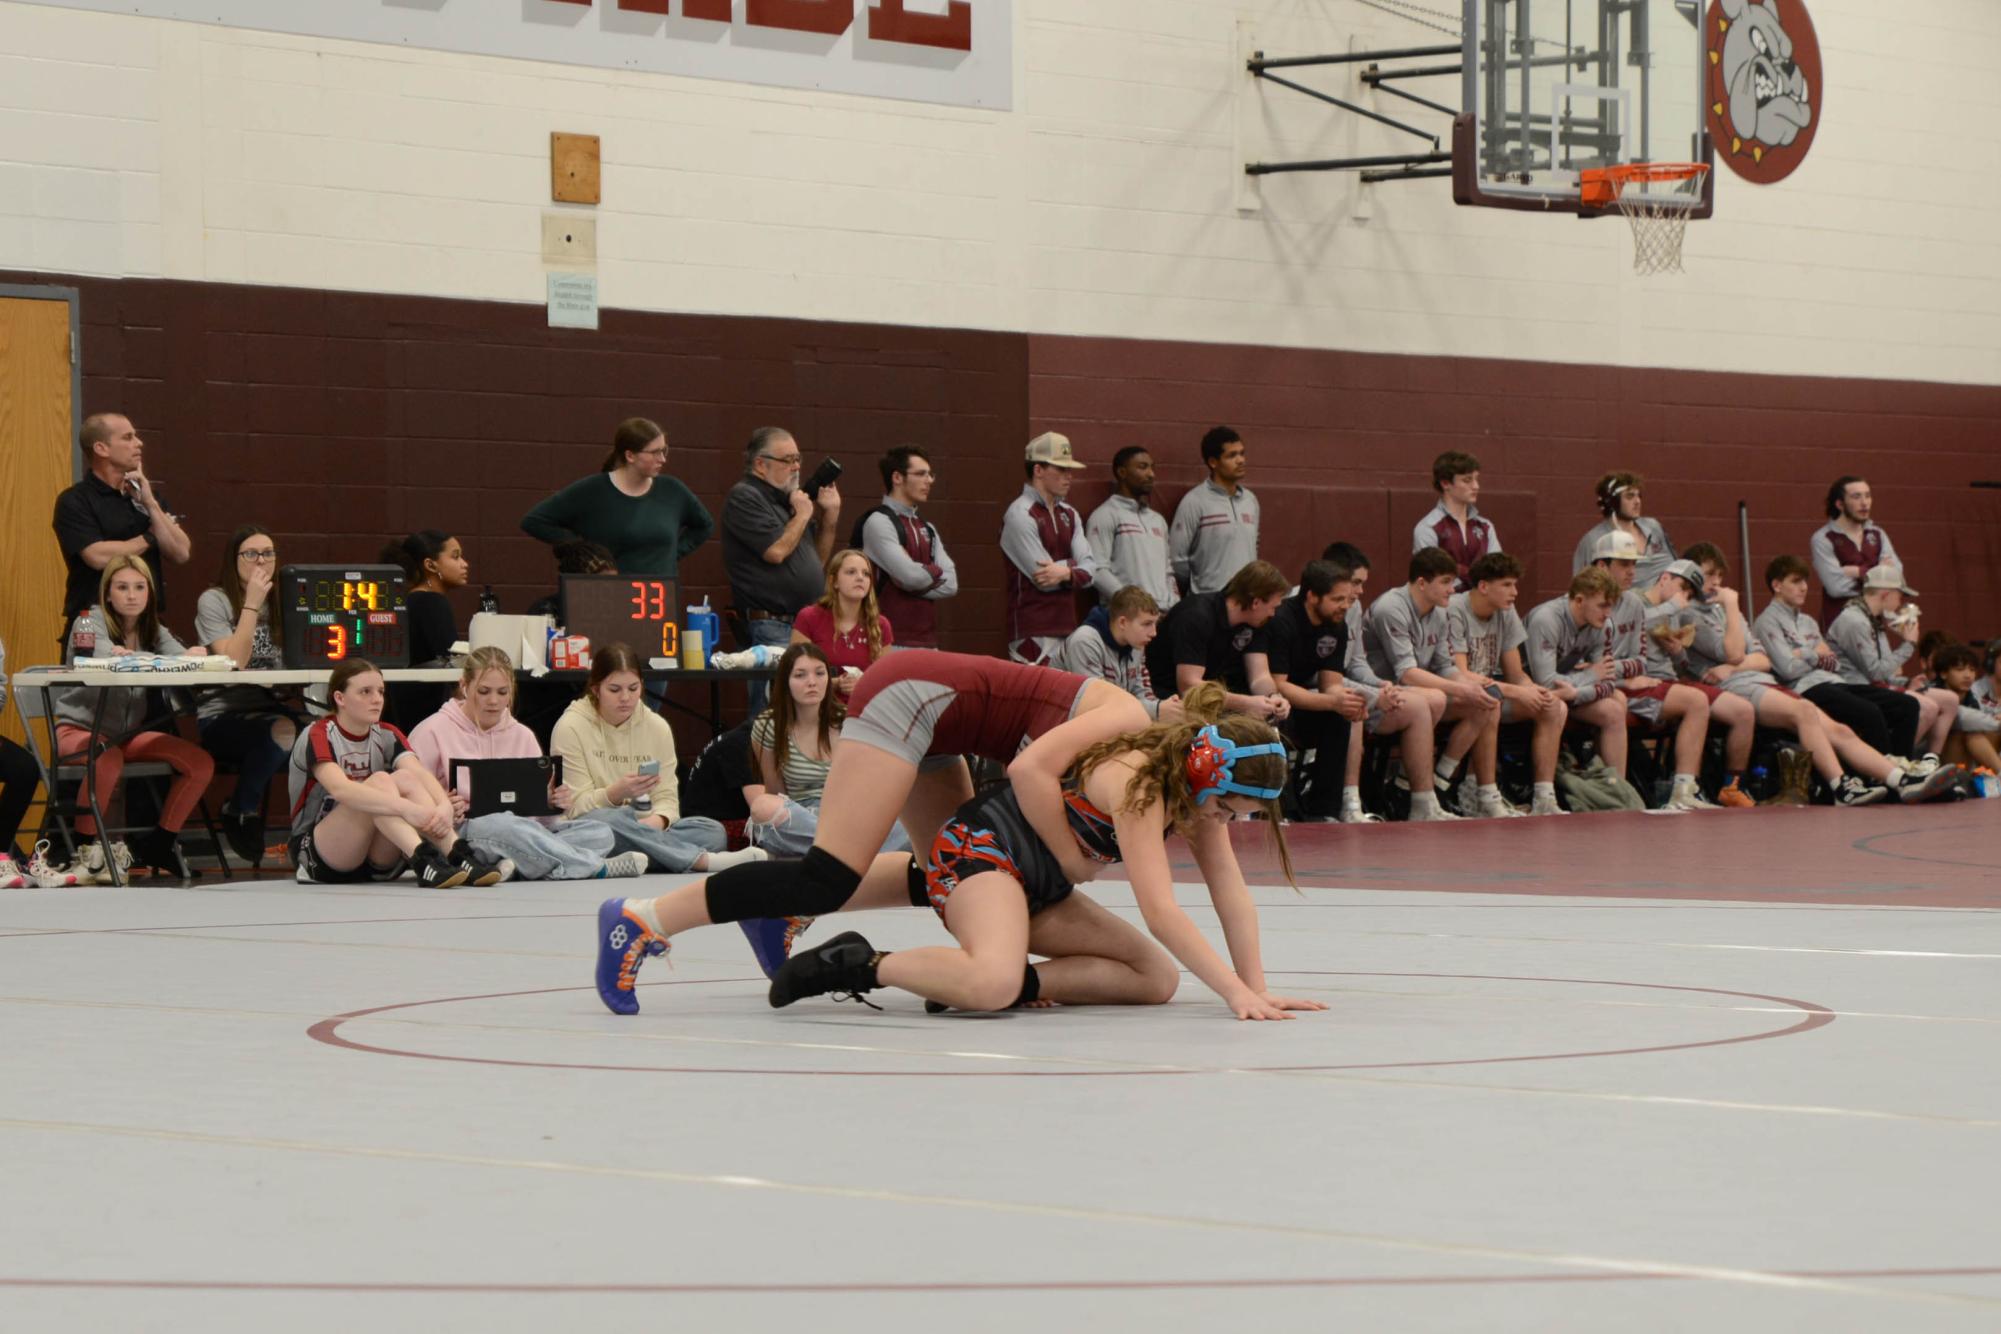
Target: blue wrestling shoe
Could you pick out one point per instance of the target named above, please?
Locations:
(624, 943)
(771, 939)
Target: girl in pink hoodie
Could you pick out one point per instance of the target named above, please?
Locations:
(480, 725)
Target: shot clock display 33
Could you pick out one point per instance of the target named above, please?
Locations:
(333, 612)
(641, 610)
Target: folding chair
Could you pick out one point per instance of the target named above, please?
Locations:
(58, 769)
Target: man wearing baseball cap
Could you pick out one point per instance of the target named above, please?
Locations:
(1808, 665)
(1659, 701)
(1048, 557)
(1860, 636)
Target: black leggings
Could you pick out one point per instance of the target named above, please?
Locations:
(19, 777)
(1885, 719)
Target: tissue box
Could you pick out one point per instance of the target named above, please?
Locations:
(522, 638)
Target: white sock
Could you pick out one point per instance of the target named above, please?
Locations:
(1684, 780)
(1445, 770)
(722, 861)
(1424, 801)
(1490, 794)
(643, 910)
(1545, 792)
(1351, 800)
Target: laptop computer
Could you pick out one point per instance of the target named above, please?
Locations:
(519, 786)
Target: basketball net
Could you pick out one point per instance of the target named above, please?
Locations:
(1658, 215)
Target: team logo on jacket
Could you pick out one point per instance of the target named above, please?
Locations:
(1326, 646)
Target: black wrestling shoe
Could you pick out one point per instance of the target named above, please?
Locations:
(435, 870)
(844, 964)
(481, 868)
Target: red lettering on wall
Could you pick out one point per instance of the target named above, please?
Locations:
(830, 17)
(889, 21)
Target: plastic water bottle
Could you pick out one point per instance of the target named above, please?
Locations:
(703, 621)
(488, 603)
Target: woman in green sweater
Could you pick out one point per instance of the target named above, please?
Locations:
(648, 520)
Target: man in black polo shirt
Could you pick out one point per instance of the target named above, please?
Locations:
(1306, 647)
(113, 512)
(1220, 637)
(776, 541)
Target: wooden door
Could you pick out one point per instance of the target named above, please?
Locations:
(35, 466)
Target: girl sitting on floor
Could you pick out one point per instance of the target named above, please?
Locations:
(480, 725)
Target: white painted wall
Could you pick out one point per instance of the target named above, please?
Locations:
(1104, 204)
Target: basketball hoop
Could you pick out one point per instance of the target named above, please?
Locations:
(1659, 217)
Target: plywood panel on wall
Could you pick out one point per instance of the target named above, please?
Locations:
(34, 467)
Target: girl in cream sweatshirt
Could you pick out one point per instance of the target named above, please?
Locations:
(602, 740)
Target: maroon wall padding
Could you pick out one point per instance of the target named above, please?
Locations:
(1347, 421)
(342, 419)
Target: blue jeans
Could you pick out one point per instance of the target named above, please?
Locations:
(572, 850)
(772, 631)
(244, 740)
(792, 834)
(676, 848)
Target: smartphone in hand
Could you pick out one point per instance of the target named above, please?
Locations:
(643, 802)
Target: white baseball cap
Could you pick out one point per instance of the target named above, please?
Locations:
(1888, 576)
(1616, 545)
(1052, 449)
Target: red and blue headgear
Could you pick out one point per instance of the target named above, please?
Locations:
(1212, 766)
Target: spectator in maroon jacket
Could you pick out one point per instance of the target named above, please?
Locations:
(913, 572)
(1454, 524)
(1848, 546)
(1048, 556)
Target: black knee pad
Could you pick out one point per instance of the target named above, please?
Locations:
(815, 885)
(920, 892)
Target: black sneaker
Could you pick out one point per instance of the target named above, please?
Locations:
(435, 870)
(1852, 790)
(1938, 783)
(159, 851)
(244, 835)
(481, 868)
(845, 964)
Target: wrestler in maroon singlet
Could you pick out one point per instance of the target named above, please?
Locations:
(996, 702)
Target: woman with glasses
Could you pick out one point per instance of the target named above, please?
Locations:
(646, 519)
(249, 727)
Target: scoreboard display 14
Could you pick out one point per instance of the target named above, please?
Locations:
(643, 611)
(335, 612)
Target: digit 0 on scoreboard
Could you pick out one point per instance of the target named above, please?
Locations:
(623, 609)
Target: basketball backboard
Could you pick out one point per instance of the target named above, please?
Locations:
(1555, 87)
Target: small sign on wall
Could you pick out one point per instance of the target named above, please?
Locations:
(573, 301)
